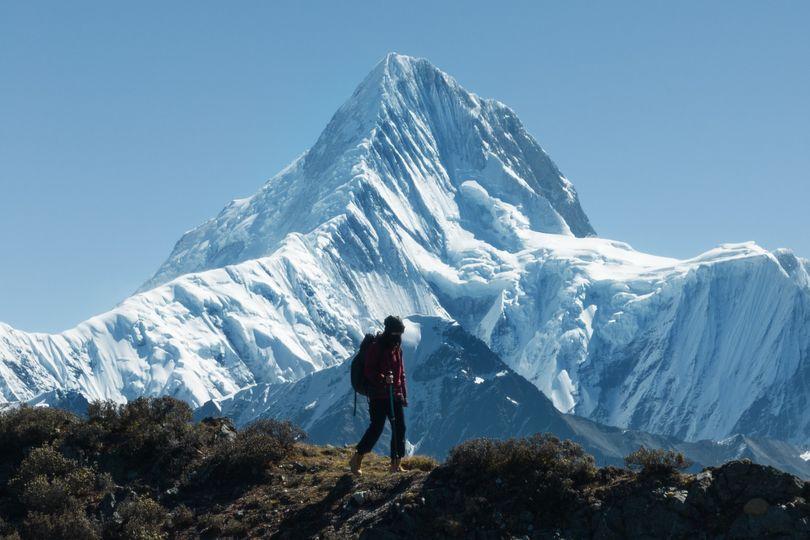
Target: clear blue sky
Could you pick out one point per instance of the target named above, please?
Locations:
(682, 124)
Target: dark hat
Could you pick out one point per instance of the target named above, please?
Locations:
(393, 323)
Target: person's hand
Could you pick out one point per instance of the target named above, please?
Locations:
(389, 379)
(404, 402)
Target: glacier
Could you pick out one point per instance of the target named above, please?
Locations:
(421, 198)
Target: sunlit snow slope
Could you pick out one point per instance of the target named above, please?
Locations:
(422, 198)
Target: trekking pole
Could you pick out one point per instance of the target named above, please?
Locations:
(393, 420)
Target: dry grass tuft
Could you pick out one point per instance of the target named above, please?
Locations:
(419, 463)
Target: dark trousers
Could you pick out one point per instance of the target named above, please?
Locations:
(379, 410)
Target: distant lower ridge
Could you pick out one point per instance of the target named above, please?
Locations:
(145, 470)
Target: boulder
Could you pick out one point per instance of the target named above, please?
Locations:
(737, 482)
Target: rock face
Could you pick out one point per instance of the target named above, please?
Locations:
(422, 198)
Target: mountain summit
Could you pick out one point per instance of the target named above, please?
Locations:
(409, 145)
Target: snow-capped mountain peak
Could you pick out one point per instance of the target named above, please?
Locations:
(411, 146)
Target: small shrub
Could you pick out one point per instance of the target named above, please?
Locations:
(90, 437)
(25, 427)
(104, 411)
(539, 474)
(45, 461)
(653, 461)
(216, 429)
(142, 518)
(540, 454)
(419, 463)
(68, 525)
(50, 483)
(48, 496)
(609, 474)
(181, 516)
(151, 437)
(285, 434)
(244, 459)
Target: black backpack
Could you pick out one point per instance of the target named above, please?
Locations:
(359, 383)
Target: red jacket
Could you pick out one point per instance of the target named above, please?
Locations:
(379, 361)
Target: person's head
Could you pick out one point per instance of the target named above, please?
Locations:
(393, 329)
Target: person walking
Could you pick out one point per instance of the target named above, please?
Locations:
(384, 373)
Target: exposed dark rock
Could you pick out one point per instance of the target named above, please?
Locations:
(736, 500)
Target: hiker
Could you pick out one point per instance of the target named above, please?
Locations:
(384, 373)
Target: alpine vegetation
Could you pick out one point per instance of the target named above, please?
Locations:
(145, 470)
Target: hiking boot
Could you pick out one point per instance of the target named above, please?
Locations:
(355, 462)
(396, 466)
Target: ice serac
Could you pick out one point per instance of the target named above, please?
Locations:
(422, 198)
(700, 348)
(402, 148)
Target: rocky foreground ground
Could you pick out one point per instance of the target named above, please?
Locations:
(146, 471)
(312, 496)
